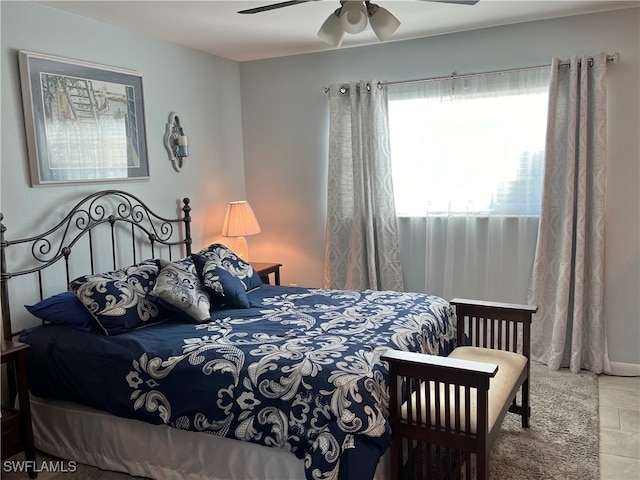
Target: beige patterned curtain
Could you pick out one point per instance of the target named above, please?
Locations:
(361, 243)
(568, 274)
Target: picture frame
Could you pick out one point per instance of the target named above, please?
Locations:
(84, 122)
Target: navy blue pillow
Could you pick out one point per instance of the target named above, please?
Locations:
(120, 300)
(224, 289)
(225, 258)
(64, 309)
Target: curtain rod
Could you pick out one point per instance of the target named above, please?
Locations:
(613, 57)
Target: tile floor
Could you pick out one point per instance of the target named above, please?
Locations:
(619, 431)
(619, 427)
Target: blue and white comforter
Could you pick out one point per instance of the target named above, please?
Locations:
(299, 371)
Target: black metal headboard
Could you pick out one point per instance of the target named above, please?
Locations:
(130, 232)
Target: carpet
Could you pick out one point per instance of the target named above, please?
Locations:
(562, 442)
(563, 439)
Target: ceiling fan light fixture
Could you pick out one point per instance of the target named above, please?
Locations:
(331, 30)
(353, 16)
(382, 21)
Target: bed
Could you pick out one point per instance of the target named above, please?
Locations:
(261, 382)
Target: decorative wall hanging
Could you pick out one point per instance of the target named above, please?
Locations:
(84, 122)
(176, 142)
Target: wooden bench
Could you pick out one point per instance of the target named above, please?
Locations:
(444, 410)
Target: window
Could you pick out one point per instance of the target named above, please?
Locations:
(468, 164)
(469, 145)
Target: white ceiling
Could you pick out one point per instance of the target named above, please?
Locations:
(215, 27)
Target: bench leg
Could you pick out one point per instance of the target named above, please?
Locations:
(526, 410)
(396, 457)
(482, 466)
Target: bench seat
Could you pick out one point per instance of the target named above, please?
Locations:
(510, 368)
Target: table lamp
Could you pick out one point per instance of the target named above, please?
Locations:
(239, 222)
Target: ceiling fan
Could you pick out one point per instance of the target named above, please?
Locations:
(353, 17)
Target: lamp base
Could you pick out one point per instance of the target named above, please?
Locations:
(242, 249)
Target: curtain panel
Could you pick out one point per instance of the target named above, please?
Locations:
(361, 244)
(484, 257)
(568, 275)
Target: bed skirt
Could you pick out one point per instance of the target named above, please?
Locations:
(96, 438)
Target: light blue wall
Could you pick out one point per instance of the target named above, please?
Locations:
(285, 121)
(203, 89)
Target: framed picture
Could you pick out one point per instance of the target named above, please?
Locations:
(84, 122)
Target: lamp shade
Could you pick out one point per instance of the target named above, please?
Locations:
(382, 22)
(331, 30)
(240, 220)
(353, 17)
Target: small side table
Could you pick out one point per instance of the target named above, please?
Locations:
(17, 434)
(263, 269)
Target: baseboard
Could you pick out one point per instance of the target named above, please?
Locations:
(620, 369)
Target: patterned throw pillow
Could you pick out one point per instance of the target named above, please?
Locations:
(179, 287)
(225, 290)
(225, 258)
(120, 300)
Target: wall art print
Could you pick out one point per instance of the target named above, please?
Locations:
(84, 122)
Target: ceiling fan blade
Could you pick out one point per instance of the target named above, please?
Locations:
(461, 2)
(273, 6)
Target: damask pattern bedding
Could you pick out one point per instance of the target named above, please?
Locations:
(299, 370)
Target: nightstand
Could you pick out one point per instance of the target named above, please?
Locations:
(17, 435)
(264, 269)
